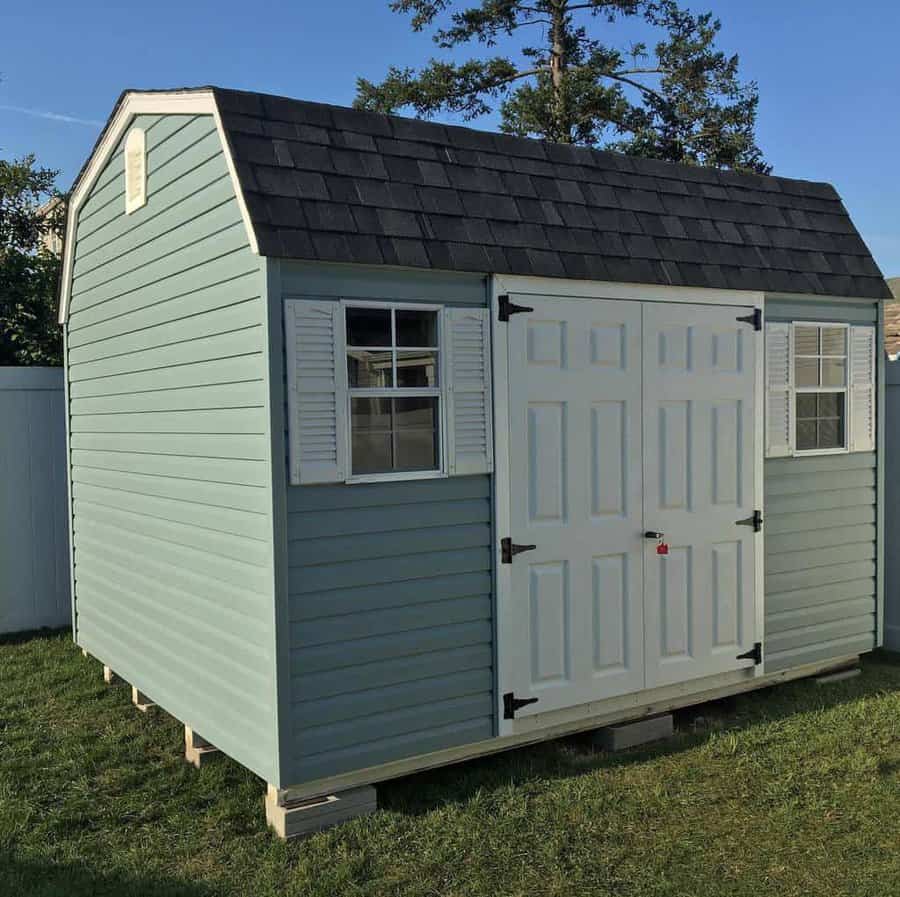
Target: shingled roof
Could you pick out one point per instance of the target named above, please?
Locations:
(342, 185)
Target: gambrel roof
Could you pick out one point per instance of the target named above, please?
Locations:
(333, 184)
(336, 184)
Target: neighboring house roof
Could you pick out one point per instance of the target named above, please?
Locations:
(334, 184)
(892, 321)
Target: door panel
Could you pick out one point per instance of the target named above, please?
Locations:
(575, 474)
(698, 403)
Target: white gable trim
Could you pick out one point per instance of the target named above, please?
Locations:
(195, 102)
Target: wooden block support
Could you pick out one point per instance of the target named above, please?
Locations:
(140, 700)
(629, 735)
(299, 818)
(109, 677)
(839, 676)
(197, 750)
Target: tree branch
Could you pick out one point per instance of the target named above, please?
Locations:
(654, 71)
(636, 84)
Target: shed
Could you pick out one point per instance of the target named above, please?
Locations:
(393, 444)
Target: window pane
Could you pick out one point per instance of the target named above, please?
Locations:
(806, 434)
(806, 372)
(371, 442)
(834, 341)
(416, 369)
(806, 340)
(416, 433)
(416, 328)
(830, 434)
(806, 406)
(821, 421)
(834, 371)
(389, 435)
(831, 404)
(369, 327)
(370, 370)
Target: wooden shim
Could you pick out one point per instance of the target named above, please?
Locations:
(197, 750)
(140, 700)
(299, 818)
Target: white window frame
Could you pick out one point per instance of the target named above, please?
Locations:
(816, 390)
(440, 392)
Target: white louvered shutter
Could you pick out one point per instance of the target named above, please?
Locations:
(862, 389)
(467, 347)
(317, 391)
(779, 413)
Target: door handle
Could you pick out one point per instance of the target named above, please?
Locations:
(653, 534)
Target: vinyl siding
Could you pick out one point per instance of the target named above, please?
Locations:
(389, 590)
(820, 537)
(170, 443)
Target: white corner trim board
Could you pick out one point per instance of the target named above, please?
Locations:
(192, 102)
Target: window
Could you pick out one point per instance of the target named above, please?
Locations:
(820, 387)
(386, 391)
(393, 378)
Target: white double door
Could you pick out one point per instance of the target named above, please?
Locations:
(627, 417)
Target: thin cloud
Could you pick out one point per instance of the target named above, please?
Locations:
(53, 116)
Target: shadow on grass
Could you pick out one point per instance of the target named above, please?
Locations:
(47, 879)
(576, 755)
(27, 635)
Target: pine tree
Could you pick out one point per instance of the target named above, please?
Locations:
(680, 100)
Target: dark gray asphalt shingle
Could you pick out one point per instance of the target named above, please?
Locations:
(334, 184)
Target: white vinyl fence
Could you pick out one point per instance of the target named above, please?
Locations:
(892, 507)
(34, 549)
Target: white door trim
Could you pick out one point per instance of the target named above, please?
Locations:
(502, 527)
(506, 284)
(592, 289)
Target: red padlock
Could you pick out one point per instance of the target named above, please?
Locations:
(662, 548)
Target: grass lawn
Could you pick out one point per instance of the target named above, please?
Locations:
(791, 791)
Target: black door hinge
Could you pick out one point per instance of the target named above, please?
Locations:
(755, 520)
(755, 319)
(754, 654)
(508, 308)
(508, 550)
(511, 704)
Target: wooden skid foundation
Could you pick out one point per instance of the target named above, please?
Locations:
(296, 819)
(197, 750)
(140, 700)
(109, 677)
(623, 736)
(839, 676)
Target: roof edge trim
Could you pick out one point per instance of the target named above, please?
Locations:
(132, 103)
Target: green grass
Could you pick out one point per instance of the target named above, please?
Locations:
(791, 791)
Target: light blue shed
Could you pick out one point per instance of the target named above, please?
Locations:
(394, 444)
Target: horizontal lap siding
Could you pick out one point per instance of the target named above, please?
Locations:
(820, 538)
(390, 590)
(169, 443)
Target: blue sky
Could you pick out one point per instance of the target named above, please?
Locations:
(828, 74)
